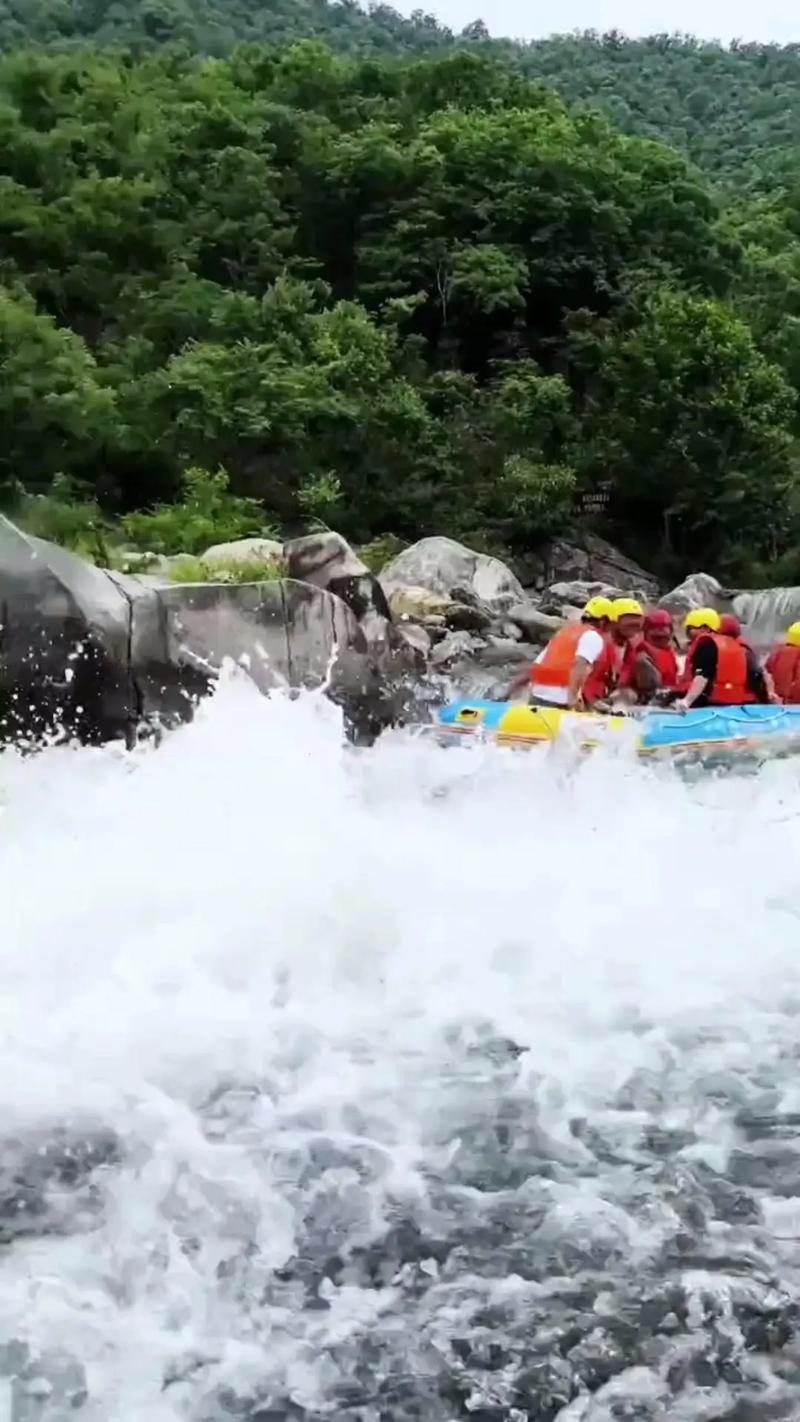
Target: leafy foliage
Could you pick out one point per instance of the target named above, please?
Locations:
(207, 512)
(66, 514)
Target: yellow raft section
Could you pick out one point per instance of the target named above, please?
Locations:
(518, 724)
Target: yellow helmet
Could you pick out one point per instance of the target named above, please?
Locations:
(706, 617)
(625, 607)
(598, 607)
(793, 635)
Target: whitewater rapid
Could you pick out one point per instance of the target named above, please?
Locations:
(395, 1084)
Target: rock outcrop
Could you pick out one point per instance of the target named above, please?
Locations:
(326, 560)
(64, 643)
(764, 613)
(96, 654)
(586, 558)
(481, 621)
(698, 590)
(385, 683)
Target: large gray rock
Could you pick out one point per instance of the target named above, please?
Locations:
(326, 560)
(479, 668)
(65, 644)
(94, 653)
(454, 647)
(577, 594)
(766, 613)
(537, 626)
(285, 633)
(322, 559)
(441, 564)
(587, 558)
(388, 684)
(698, 590)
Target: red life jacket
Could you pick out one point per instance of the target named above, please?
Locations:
(663, 658)
(665, 662)
(783, 665)
(605, 672)
(729, 687)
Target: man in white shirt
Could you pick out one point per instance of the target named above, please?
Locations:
(560, 672)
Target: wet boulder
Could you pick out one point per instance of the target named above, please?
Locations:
(95, 654)
(65, 630)
(326, 560)
(578, 592)
(385, 682)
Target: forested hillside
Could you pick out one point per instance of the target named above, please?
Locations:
(735, 111)
(215, 26)
(401, 295)
(397, 296)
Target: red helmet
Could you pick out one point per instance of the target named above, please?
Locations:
(658, 619)
(729, 625)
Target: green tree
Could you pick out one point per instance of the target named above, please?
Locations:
(690, 423)
(54, 413)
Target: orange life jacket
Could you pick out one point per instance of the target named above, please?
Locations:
(729, 687)
(555, 667)
(783, 665)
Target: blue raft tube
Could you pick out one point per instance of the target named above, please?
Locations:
(717, 730)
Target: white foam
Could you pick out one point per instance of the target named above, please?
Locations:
(256, 904)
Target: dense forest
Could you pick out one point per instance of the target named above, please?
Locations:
(397, 292)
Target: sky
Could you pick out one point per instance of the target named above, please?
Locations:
(711, 19)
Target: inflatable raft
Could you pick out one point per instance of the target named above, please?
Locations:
(769, 730)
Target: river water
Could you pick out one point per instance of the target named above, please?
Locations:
(406, 1085)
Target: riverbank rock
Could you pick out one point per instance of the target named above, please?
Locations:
(385, 685)
(766, 613)
(419, 603)
(326, 560)
(587, 558)
(698, 590)
(94, 654)
(244, 550)
(577, 594)
(441, 565)
(537, 626)
(454, 647)
(65, 644)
